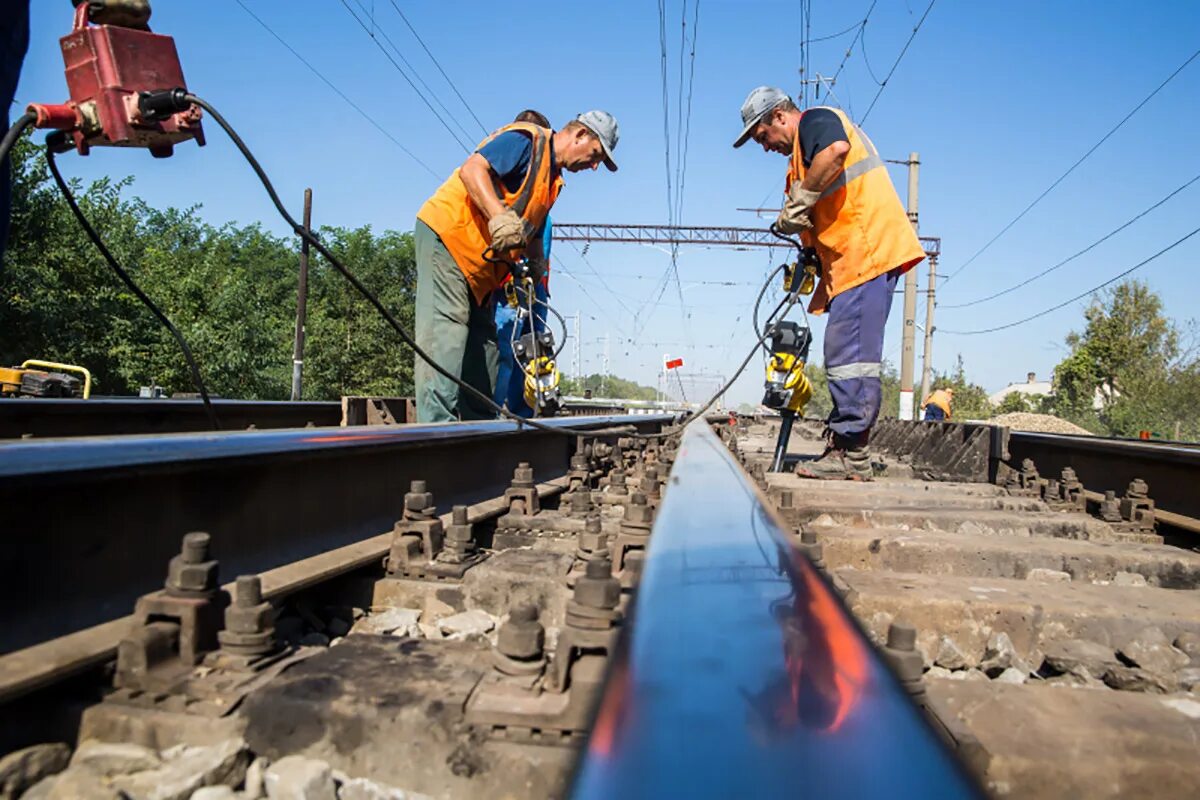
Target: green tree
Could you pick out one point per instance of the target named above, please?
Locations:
(1013, 401)
(1130, 356)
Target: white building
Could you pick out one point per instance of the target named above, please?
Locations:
(1031, 388)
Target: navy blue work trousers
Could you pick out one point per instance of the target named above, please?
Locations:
(854, 353)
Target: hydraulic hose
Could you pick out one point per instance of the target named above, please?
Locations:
(23, 122)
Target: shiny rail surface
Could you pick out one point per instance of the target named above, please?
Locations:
(95, 519)
(742, 675)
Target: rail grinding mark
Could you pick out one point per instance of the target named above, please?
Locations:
(1059, 639)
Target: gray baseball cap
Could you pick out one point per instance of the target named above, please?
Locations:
(604, 125)
(758, 103)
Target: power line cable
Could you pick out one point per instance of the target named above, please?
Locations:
(1072, 168)
(370, 33)
(900, 57)
(1071, 258)
(1080, 296)
(437, 64)
(336, 90)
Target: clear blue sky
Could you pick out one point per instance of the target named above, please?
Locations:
(998, 98)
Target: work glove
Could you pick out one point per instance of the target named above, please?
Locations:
(508, 231)
(121, 13)
(794, 217)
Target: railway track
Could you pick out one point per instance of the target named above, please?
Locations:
(470, 610)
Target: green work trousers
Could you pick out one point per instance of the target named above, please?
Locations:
(458, 333)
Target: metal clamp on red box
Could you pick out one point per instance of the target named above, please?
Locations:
(126, 87)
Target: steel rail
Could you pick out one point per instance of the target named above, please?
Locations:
(94, 521)
(742, 674)
(44, 417)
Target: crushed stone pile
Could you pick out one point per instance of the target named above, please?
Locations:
(1039, 423)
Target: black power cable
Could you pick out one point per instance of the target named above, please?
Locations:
(183, 99)
(9, 141)
(53, 142)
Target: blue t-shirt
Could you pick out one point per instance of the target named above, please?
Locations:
(509, 155)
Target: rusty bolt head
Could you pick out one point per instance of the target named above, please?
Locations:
(808, 536)
(1109, 496)
(902, 636)
(785, 498)
(592, 524)
(189, 573)
(1137, 488)
(581, 502)
(418, 500)
(459, 516)
(248, 591)
(522, 636)
(1027, 465)
(1068, 475)
(638, 514)
(195, 547)
(592, 538)
(598, 588)
(522, 476)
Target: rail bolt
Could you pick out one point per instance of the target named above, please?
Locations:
(248, 613)
(522, 636)
(637, 513)
(523, 476)
(785, 498)
(1138, 489)
(592, 538)
(419, 500)
(192, 572)
(902, 652)
(581, 502)
(598, 588)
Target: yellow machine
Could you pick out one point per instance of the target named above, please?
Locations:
(23, 381)
(788, 389)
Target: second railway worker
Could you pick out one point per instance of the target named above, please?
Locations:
(841, 201)
(497, 199)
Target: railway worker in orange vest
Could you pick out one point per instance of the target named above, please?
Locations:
(937, 404)
(497, 199)
(841, 201)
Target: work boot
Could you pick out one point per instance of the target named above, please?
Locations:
(847, 458)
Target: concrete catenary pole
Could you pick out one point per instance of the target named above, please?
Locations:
(301, 301)
(908, 347)
(927, 356)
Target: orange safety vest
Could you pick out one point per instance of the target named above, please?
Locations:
(860, 229)
(462, 226)
(940, 399)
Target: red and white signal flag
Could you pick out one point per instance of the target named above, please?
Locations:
(672, 363)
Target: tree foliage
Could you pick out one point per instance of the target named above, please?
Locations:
(1132, 358)
(231, 291)
(607, 386)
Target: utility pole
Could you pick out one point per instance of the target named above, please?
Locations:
(927, 356)
(301, 301)
(604, 377)
(578, 353)
(907, 350)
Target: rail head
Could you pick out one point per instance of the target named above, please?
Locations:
(742, 674)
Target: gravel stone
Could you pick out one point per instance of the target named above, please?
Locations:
(215, 793)
(1042, 575)
(252, 788)
(1129, 579)
(394, 621)
(1151, 650)
(21, 769)
(1189, 679)
(823, 521)
(115, 758)
(300, 778)
(950, 656)
(1001, 655)
(937, 672)
(467, 624)
(81, 783)
(1189, 643)
(1135, 679)
(190, 769)
(1081, 658)
(1012, 675)
(364, 789)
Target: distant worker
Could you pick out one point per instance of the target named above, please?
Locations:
(841, 201)
(937, 405)
(510, 380)
(499, 198)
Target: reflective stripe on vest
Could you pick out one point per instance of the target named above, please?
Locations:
(859, 369)
(858, 168)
